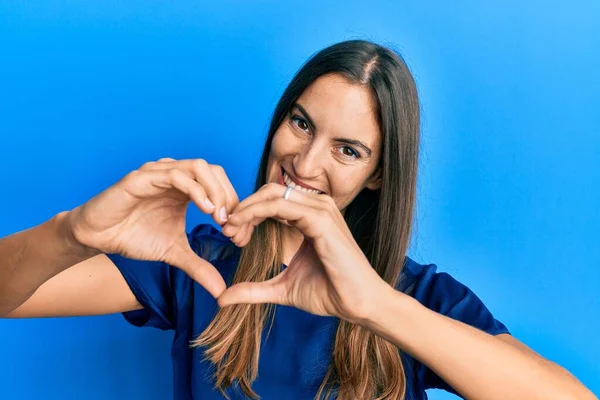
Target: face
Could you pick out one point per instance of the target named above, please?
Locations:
(329, 142)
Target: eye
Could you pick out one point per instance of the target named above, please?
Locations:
(349, 152)
(300, 122)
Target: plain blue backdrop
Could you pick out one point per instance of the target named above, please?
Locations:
(508, 192)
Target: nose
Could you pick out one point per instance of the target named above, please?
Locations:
(309, 161)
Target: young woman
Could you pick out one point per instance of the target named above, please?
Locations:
(306, 291)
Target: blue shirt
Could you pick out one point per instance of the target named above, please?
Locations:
(296, 354)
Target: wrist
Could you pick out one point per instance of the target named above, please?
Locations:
(378, 305)
(390, 310)
(71, 245)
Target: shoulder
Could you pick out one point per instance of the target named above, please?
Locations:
(441, 292)
(415, 274)
(421, 279)
(425, 283)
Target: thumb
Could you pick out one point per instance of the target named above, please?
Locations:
(253, 293)
(199, 270)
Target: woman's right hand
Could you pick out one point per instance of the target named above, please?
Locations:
(143, 215)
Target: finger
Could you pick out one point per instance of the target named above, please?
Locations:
(205, 175)
(202, 172)
(246, 239)
(164, 164)
(154, 164)
(166, 160)
(209, 177)
(242, 237)
(232, 199)
(215, 192)
(266, 192)
(233, 231)
(274, 191)
(270, 291)
(199, 270)
(307, 219)
(155, 182)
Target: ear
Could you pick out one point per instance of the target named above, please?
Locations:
(374, 181)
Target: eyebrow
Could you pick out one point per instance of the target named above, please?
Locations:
(353, 142)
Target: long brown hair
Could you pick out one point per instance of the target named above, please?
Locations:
(363, 364)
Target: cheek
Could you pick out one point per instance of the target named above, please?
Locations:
(275, 151)
(281, 147)
(284, 143)
(277, 144)
(346, 185)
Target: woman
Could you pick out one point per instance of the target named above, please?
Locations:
(326, 233)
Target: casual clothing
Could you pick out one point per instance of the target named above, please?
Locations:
(295, 356)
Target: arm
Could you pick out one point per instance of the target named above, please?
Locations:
(44, 272)
(476, 364)
(330, 275)
(61, 266)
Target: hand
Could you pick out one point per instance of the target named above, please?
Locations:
(143, 215)
(329, 275)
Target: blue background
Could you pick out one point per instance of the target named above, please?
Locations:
(508, 193)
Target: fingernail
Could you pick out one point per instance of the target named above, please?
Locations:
(223, 213)
(209, 203)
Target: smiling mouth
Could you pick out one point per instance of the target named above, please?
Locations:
(288, 181)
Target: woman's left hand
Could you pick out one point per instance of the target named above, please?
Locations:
(329, 275)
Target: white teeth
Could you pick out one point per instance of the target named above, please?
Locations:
(289, 182)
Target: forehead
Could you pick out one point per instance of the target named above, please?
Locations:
(342, 109)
